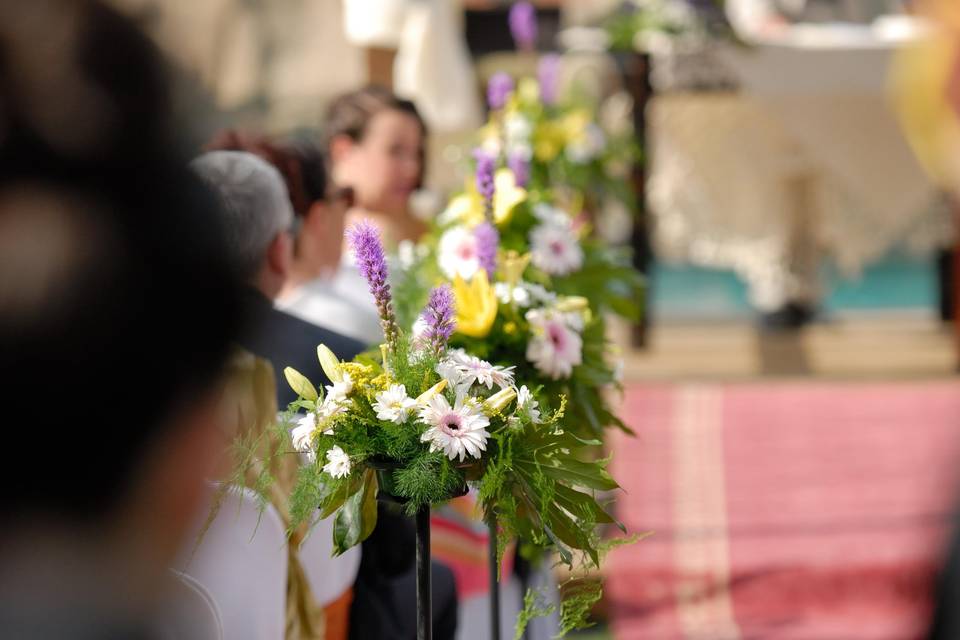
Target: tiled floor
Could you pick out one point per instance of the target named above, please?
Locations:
(901, 345)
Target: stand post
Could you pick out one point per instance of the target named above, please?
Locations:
(494, 570)
(424, 596)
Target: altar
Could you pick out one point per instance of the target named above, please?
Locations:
(798, 159)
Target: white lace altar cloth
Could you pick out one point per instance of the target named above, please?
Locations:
(809, 142)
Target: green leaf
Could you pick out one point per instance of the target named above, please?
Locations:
(342, 490)
(299, 383)
(584, 474)
(577, 502)
(357, 518)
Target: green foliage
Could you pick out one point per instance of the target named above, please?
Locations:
(428, 478)
(534, 606)
(357, 517)
(579, 597)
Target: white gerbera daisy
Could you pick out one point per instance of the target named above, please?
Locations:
(554, 349)
(338, 463)
(462, 370)
(457, 253)
(555, 250)
(458, 430)
(394, 405)
(302, 435)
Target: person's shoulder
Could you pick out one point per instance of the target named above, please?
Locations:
(343, 346)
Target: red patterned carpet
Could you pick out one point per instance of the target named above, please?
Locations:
(790, 510)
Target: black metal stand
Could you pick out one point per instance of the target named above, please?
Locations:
(494, 570)
(424, 595)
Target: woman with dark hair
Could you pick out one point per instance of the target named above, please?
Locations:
(373, 144)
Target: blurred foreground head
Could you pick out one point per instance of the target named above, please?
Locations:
(117, 303)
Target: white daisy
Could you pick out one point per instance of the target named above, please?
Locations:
(338, 464)
(302, 435)
(331, 407)
(549, 214)
(394, 405)
(458, 430)
(462, 370)
(449, 370)
(457, 253)
(340, 390)
(587, 146)
(539, 293)
(554, 349)
(517, 130)
(554, 249)
(512, 295)
(525, 402)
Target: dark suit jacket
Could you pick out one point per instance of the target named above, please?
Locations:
(288, 341)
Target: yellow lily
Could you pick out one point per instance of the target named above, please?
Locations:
(512, 266)
(476, 305)
(468, 207)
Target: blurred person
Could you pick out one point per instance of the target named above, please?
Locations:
(373, 144)
(382, 602)
(320, 211)
(259, 215)
(318, 246)
(260, 220)
(117, 310)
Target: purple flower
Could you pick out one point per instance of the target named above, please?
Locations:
(368, 250)
(486, 165)
(520, 166)
(523, 25)
(438, 318)
(499, 89)
(548, 75)
(488, 240)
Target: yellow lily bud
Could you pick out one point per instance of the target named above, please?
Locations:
(329, 363)
(499, 401)
(299, 383)
(424, 397)
(572, 303)
(476, 305)
(512, 266)
(507, 195)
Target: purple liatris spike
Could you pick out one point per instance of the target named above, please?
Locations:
(488, 239)
(372, 263)
(486, 187)
(520, 166)
(548, 76)
(438, 318)
(523, 25)
(499, 89)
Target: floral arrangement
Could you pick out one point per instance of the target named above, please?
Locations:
(530, 284)
(423, 419)
(660, 25)
(565, 144)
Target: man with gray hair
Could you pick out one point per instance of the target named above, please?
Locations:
(259, 221)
